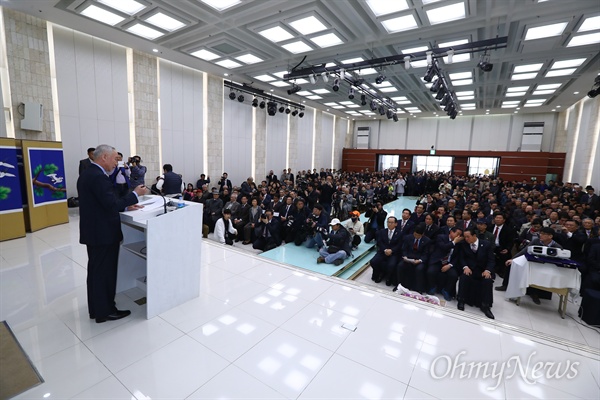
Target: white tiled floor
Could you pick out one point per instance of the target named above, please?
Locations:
(265, 331)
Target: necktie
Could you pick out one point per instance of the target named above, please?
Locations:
(390, 234)
(496, 233)
(474, 247)
(416, 245)
(402, 226)
(287, 209)
(466, 224)
(588, 232)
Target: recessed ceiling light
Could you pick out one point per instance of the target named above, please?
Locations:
(300, 81)
(144, 31)
(227, 63)
(533, 105)
(399, 24)
(225, 74)
(517, 88)
(458, 58)
(560, 72)
(352, 60)
(463, 97)
(346, 102)
(314, 97)
(418, 64)
(541, 32)
(264, 78)
(511, 102)
(338, 107)
(399, 98)
(308, 25)
(127, 6)
(468, 108)
(279, 83)
(379, 85)
(403, 101)
(165, 22)
(331, 104)
(527, 68)
(553, 109)
(353, 106)
(575, 92)
(543, 92)
(460, 75)
(249, 59)
(453, 43)
(276, 34)
(102, 15)
(576, 62)
(155, 50)
(509, 105)
(415, 50)
(388, 89)
(590, 24)
(549, 86)
(367, 71)
(321, 91)
(468, 105)
(221, 5)
(304, 93)
(583, 40)
(384, 7)
(518, 77)
(205, 55)
(531, 101)
(462, 82)
(557, 106)
(515, 94)
(327, 40)
(297, 47)
(465, 93)
(280, 74)
(443, 14)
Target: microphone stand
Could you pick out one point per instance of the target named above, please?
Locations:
(163, 197)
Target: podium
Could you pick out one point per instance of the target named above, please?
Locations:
(160, 253)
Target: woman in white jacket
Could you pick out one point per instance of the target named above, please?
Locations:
(224, 226)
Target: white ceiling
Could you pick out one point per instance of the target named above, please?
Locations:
(234, 32)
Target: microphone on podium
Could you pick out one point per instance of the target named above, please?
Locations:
(163, 197)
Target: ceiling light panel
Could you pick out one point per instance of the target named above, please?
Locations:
(276, 34)
(519, 77)
(221, 5)
(384, 7)
(461, 75)
(321, 91)
(400, 24)
(515, 94)
(590, 24)
(297, 47)
(367, 71)
(227, 63)
(144, 31)
(300, 81)
(388, 89)
(447, 13)
(527, 68)
(461, 97)
(462, 82)
(205, 55)
(330, 104)
(418, 64)
(102, 15)
(537, 101)
(465, 93)
(546, 31)
(338, 107)
(304, 93)
(165, 22)
(249, 59)
(353, 60)
(517, 88)
(549, 86)
(127, 6)
(314, 97)
(346, 102)
(412, 50)
(560, 72)
(543, 92)
(457, 58)
(279, 83)
(583, 40)
(327, 40)
(576, 62)
(308, 25)
(264, 78)
(453, 43)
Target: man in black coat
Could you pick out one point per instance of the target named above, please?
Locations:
(100, 231)
(268, 232)
(415, 255)
(477, 278)
(389, 244)
(338, 245)
(85, 163)
(441, 272)
(376, 221)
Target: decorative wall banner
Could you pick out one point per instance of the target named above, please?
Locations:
(10, 185)
(47, 176)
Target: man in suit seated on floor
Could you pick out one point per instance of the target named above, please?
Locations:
(338, 245)
(389, 244)
(546, 238)
(411, 270)
(441, 273)
(476, 281)
(268, 232)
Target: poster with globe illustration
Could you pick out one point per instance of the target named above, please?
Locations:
(10, 186)
(47, 176)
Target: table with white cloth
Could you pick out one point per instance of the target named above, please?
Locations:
(544, 276)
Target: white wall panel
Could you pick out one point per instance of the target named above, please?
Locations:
(277, 130)
(421, 133)
(453, 134)
(392, 135)
(583, 144)
(91, 76)
(492, 133)
(181, 103)
(305, 141)
(237, 141)
(326, 142)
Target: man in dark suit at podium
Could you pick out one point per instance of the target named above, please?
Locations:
(475, 283)
(100, 231)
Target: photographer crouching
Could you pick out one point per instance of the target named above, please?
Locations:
(315, 227)
(338, 245)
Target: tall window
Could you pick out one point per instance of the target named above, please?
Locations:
(387, 161)
(484, 165)
(432, 163)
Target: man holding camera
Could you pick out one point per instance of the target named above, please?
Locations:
(268, 232)
(138, 171)
(120, 177)
(316, 226)
(338, 245)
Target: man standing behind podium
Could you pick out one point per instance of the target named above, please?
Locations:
(100, 231)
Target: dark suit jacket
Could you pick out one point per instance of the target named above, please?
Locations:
(408, 227)
(506, 237)
(432, 232)
(573, 243)
(480, 261)
(383, 241)
(340, 239)
(440, 249)
(416, 219)
(99, 207)
(422, 252)
(274, 228)
(84, 164)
